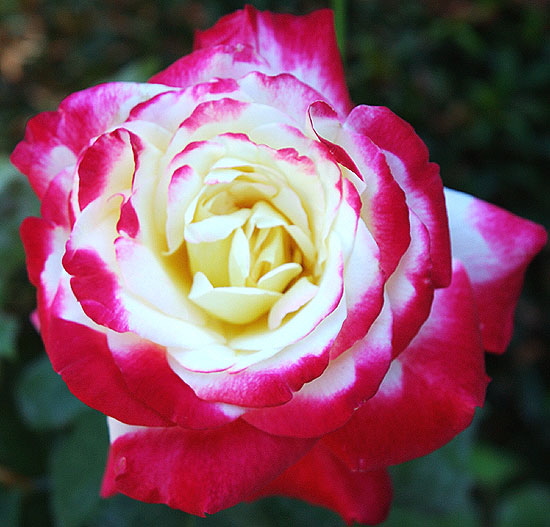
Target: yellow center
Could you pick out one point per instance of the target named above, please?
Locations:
(246, 258)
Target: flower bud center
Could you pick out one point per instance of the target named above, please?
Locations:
(243, 250)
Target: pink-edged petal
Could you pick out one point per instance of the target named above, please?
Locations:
(82, 357)
(106, 167)
(407, 157)
(320, 478)
(384, 207)
(55, 205)
(288, 44)
(106, 300)
(160, 388)
(495, 247)
(169, 109)
(430, 392)
(410, 289)
(97, 289)
(249, 387)
(79, 353)
(41, 239)
(54, 140)
(364, 291)
(200, 472)
(203, 65)
(284, 92)
(224, 116)
(272, 381)
(326, 403)
(44, 245)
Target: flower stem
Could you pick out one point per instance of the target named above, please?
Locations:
(339, 7)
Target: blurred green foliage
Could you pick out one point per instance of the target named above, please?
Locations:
(473, 77)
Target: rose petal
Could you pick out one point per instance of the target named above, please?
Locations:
(430, 392)
(296, 297)
(322, 479)
(82, 357)
(107, 167)
(197, 471)
(53, 140)
(222, 302)
(407, 157)
(328, 401)
(277, 279)
(384, 208)
(285, 43)
(224, 62)
(495, 247)
(160, 388)
(410, 289)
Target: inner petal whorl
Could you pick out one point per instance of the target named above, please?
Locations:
(241, 248)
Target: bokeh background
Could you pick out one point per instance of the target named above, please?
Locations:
(473, 77)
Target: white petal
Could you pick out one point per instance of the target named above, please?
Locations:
(239, 259)
(296, 297)
(216, 227)
(277, 279)
(236, 305)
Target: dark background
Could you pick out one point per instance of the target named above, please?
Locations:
(474, 80)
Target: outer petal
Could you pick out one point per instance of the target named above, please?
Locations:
(410, 288)
(407, 157)
(289, 45)
(197, 471)
(44, 245)
(81, 356)
(384, 208)
(364, 291)
(203, 65)
(430, 392)
(159, 387)
(107, 301)
(53, 140)
(495, 246)
(322, 479)
(329, 401)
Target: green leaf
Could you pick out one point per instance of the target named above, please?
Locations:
(43, 399)
(492, 467)
(18, 451)
(77, 465)
(272, 512)
(439, 483)
(400, 517)
(10, 506)
(121, 511)
(8, 334)
(526, 507)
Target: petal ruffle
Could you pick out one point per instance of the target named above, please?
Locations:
(54, 140)
(327, 402)
(287, 45)
(82, 357)
(322, 479)
(385, 210)
(197, 471)
(430, 392)
(160, 388)
(495, 247)
(407, 157)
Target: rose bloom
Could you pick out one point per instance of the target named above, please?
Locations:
(266, 290)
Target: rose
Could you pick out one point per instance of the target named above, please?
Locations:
(253, 280)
